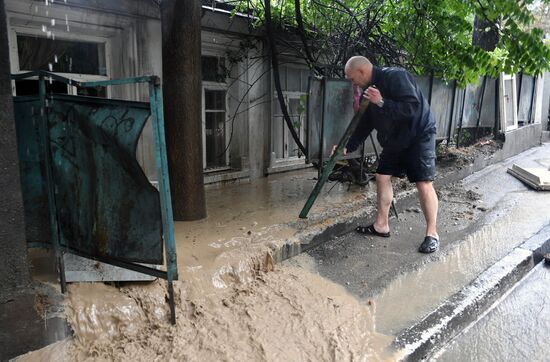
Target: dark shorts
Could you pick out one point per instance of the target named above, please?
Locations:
(417, 161)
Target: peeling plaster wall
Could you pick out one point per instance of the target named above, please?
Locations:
(14, 268)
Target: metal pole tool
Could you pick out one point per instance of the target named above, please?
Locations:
(332, 161)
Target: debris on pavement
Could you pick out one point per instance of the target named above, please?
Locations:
(538, 178)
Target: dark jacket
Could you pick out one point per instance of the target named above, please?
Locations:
(404, 118)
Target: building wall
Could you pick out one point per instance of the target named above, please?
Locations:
(132, 33)
(14, 269)
(131, 30)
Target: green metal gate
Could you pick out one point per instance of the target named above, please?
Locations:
(83, 189)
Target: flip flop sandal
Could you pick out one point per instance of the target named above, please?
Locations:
(429, 245)
(370, 230)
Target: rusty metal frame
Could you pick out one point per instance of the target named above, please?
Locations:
(157, 115)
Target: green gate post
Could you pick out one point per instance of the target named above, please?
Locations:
(45, 136)
(157, 111)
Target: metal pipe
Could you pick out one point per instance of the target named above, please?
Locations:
(322, 135)
(461, 119)
(531, 103)
(157, 113)
(332, 161)
(50, 183)
(452, 113)
(308, 120)
(497, 107)
(431, 87)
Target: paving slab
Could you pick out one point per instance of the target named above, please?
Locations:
(537, 178)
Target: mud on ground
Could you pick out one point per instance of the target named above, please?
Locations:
(457, 157)
(282, 313)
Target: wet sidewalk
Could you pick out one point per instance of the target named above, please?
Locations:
(248, 222)
(493, 230)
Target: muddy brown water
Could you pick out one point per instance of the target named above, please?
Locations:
(287, 314)
(231, 304)
(254, 218)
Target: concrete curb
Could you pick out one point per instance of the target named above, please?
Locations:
(452, 316)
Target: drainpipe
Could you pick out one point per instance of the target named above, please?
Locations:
(449, 131)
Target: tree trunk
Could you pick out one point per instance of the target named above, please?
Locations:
(181, 68)
(14, 268)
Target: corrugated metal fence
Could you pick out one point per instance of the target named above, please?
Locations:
(476, 107)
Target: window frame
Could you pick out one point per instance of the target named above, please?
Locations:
(14, 31)
(286, 132)
(214, 86)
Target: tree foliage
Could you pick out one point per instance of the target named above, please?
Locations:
(425, 36)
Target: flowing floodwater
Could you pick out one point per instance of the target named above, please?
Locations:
(517, 328)
(286, 314)
(246, 221)
(231, 302)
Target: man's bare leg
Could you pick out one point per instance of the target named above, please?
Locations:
(429, 205)
(384, 197)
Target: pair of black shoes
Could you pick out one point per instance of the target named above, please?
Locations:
(429, 245)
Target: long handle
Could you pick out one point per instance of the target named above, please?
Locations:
(332, 161)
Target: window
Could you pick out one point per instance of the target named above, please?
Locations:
(215, 133)
(283, 144)
(85, 60)
(60, 56)
(214, 96)
(294, 85)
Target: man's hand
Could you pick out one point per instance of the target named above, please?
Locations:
(334, 150)
(373, 95)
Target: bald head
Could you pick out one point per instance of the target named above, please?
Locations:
(358, 69)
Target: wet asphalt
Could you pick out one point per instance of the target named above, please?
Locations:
(469, 213)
